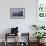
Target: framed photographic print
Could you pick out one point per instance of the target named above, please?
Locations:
(17, 13)
(41, 8)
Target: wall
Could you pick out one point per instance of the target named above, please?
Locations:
(23, 24)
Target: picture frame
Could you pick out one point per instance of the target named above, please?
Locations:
(41, 8)
(17, 13)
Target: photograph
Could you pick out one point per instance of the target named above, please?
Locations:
(17, 13)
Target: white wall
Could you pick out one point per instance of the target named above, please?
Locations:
(23, 24)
